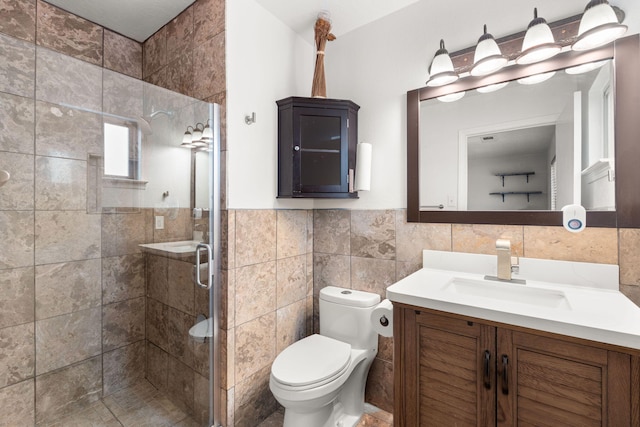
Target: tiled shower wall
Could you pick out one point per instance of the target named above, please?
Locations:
(72, 281)
(176, 364)
(370, 250)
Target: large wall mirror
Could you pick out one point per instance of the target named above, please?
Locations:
(519, 154)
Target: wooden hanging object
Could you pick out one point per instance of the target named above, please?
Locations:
(322, 34)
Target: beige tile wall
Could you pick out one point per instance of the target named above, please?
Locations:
(370, 250)
(267, 302)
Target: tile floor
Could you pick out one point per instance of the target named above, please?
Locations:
(373, 417)
(140, 405)
(143, 405)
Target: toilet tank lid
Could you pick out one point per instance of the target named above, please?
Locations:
(349, 297)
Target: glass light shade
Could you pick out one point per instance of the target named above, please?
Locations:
(492, 88)
(538, 43)
(487, 58)
(441, 71)
(586, 67)
(197, 132)
(207, 134)
(536, 78)
(187, 138)
(199, 143)
(452, 97)
(599, 25)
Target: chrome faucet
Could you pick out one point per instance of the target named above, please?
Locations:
(507, 264)
(503, 247)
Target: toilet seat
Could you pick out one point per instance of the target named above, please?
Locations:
(311, 362)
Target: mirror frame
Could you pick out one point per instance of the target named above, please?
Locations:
(626, 55)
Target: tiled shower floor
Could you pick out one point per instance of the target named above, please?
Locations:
(140, 405)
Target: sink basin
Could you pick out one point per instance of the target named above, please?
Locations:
(183, 246)
(508, 292)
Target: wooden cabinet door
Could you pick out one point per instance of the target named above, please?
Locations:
(450, 372)
(554, 382)
(317, 140)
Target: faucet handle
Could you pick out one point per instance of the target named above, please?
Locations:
(515, 264)
(503, 244)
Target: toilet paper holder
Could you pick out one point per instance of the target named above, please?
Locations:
(382, 318)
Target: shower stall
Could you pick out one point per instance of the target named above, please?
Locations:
(108, 207)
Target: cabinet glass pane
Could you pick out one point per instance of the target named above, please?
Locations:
(320, 150)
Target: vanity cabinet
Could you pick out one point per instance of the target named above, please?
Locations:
(317, 140)
(452, 370)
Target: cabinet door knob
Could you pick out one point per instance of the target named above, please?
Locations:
(296, 148)
(487, 370)
(505, 374)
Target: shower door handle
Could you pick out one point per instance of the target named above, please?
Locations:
(207, 248)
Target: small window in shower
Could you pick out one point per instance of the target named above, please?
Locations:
(120, 150)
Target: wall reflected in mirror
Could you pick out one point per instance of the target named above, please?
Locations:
(522, 147)
(200, 183)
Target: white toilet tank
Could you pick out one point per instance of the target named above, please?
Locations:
(345, 316)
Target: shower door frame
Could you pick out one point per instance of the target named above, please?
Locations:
(214, 177)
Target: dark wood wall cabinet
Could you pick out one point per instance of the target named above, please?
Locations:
(317, 139)
(456, 371)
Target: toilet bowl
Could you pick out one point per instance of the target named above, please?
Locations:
(320, 380)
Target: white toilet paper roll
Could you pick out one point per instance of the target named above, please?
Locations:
(382, 318)
(363, 167)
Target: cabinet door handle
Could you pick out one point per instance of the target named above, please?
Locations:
(487, 370)
(505, 374)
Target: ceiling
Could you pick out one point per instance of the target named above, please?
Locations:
(524, 141)
(136, 19)
(346, 15)
(139, 19)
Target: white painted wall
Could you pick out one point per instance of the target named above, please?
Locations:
(374, 66)
(482, 181)
(266, 61)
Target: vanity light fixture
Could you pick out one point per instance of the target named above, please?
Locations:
(536, 78)
(441, 71)
(487, 58)
(187, 138)
(452, 97)
(599, 25)
(492, 88)
(585, 68)
(538, 43)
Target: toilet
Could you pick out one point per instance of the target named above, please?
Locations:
(320, 380)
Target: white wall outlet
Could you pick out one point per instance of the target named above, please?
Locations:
(451, 200)
(159, 222)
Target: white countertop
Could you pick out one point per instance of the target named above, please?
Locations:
(597, 312)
